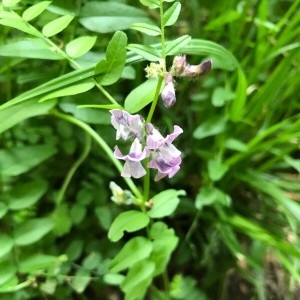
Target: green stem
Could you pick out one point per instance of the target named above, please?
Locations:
(106, 94)
(149, 118)
(147, 182)
(62, 53)
(166, 281)
(77, 66)
(73, 62)
(77, 163)
(158, 294)
(155, 100)
(103, 145)
(156, 97)
(162, 29)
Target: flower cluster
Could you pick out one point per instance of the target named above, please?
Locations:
(180, 68)
(147, 142)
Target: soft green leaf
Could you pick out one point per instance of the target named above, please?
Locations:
(186, 288)
(236, 145)
(62, 8)
(113, 279)
(80, 46)
(92, 261)
(9, 285)
(3, 209)
(109, 71)
(104, 17)
(220, 96)
(70, 90)
(48, 286)
(6, 243)
(164, 243)
(138, 280)
(212, 126)
(159, 230)
(75, 249)
(237, 107)
(136, 249)
(57, 25)
(218, 23)
(20, 159)
(104, 216)
(10, 3)
(17, 22)
(141, 96)
(29, 48)
(171, 15)
(8, 270)
(26, 194)
(177, 46)
(36, 263)
(77, 213)
(31, 231)
(80, 280)
(129, 221)
(216, 170)
(165, 203)
(151, 3)
(145, 51)
(35, 10)
(62, 220)
(294, 163)
(146, 28)
(16, 114)
(210, 195)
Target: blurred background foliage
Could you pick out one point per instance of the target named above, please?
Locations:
(239, 222)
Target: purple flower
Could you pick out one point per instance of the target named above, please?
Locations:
(133, 166)
(165, 168)
(168, 93)
(127, 125)
(195, 71)
(165, 156)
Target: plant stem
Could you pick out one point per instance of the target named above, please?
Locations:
(106, 94)
(147, 182)
(154, 102)
(162, 29)
(156, 96)
(73, 169)
(102, 144)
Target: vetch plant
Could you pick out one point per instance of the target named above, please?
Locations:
(149, 149)
(145, 256)
(126, 173)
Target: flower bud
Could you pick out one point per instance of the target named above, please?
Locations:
(179, 64)
(168, 93)
(119, 195)
(194, 71)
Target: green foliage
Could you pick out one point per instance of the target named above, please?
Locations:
(129, 221)
(165, 203)
(229, 218)
(112, 67)
(141, 96)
